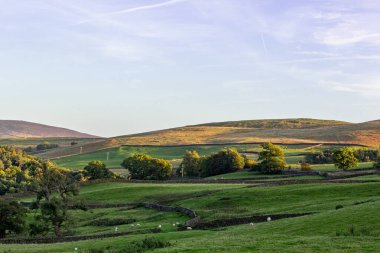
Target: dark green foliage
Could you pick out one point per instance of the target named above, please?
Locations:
(97, 170)
(147, 244)
(225, 161)
(12, 218)
(338, 207)
(190, 164)
(142, 166)
(272, 159)
(362, 154)
(345, 159)
(46, 146)
(54, 188)
(376, 164)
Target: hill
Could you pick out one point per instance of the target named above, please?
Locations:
(300, 131)
(24, 129)
(279, 123)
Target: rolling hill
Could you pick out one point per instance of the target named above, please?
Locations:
(289, 131)
(24, 129)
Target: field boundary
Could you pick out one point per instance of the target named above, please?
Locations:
(75, 238)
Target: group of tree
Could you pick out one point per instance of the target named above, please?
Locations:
(41, 147)
(327, 156)
(141, 166)
(16, 169)
(225, 161)
(54, 188)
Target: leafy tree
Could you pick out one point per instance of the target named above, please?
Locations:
(141, 166)
(97, 170)
(345, 159)
(225, 161)
(272, 159)
(190, 164)
(12, 218)
(54, 188)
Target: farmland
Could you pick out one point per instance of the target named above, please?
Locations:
(325, 230)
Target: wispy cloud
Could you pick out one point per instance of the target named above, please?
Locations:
(130, 10)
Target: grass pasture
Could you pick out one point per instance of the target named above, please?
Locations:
(294, 154)
(353, 228)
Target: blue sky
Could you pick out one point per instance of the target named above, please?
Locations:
(118, 67)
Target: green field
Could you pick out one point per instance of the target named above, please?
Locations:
(353, 228)
(294, 154)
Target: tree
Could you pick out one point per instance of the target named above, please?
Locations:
(225, 161)
(12, 218)
(190, 164)
(141, 166)
(345, 159)
(54, 188)
(97, 170)
(272, 159)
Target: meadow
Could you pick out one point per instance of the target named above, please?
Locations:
(353, 227)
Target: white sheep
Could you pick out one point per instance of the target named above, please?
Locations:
(189, 228)
(269, 219)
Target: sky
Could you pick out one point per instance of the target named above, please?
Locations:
(115, 67)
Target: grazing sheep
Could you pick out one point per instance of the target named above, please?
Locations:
(189, 228)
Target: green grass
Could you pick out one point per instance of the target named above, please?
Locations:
(328, 230)
(294, 153)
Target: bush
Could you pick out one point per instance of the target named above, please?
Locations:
(338, 207)
(141, 166)
(225, 161)
(97, 170)
(305, 166)
(12, 218)
(46, 146)
(147, 244)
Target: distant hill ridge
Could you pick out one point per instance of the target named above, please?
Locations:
(301, 123)
(24, 129)
(286, 131)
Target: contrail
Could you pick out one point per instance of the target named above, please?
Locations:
(264, 44)
(134, 9)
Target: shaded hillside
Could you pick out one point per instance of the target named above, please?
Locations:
(279, 123)
(23, 129)
(367, 133)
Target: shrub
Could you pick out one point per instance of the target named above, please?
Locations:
(97, 170)
(141, 166)
(305, 166)
(147, 244)
(12, 218)
(249, 163)
(338, 207)
(46, 146)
